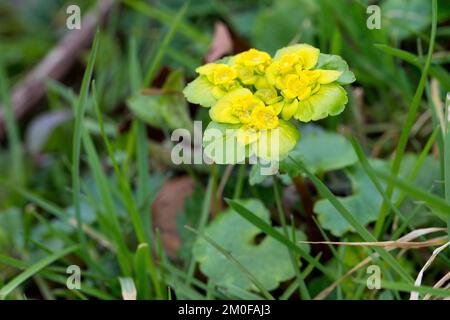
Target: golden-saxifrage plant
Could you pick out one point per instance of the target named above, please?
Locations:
(251, 94)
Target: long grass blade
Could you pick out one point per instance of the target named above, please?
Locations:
(412, 111)
(360, 229)
(76, 143)
(269, 230)
(34, 269)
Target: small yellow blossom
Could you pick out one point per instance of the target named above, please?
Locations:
(251, 65)
(218, 74)
(222, 77)
(256, 96)
(263, 117)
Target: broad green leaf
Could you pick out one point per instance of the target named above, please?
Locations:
(174, 108)
(330, 100)
(321, 151)
(268, 261)
(404, 18)
(334, 62)
(166, 110)
(365, 201)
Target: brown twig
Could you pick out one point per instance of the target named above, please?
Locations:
(28, 92)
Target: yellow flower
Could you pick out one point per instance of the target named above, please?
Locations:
(221, 77)
(253, 58)
(251, 65)
(254, 96)
(258, 125)
(263, 117)
(268, 95)
(235, 107)
(218, 74)
(309, 92)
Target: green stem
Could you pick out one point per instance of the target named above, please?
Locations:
(303, 290)
(240, 182)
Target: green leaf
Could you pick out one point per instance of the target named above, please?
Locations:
(321, 151)
(174, 109)
(404, 18)
(199, 92)
(255, 176)
(335, 62)
(330, 100)
(365, 201)
(146, 108)
(348, 216)
(168, 110)
(268, 261)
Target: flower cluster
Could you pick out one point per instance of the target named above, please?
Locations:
(254, 95)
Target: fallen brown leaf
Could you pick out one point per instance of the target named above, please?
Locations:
(222, 43)
(168, 204)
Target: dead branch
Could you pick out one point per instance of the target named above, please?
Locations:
(28, 92)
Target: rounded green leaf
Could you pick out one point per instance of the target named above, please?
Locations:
(329, 100)
(267, 259)
(335, 62)
(321, 151)
(365, 201)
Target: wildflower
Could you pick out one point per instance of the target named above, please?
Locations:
(252, 97)
(310, 93)
(251, 65)
(215, 81)
(259, 126)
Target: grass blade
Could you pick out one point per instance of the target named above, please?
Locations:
(409, 288)
(128, 198)
(32, 270)
(112, 224)
(165, 44)
(76, 143)
(11, 129)
(168, 18)
(439, 205)
(304, 293)
(360, 229)
(447, 155)
(203, 219)
(269, 230)
(373, 177)
(412, 112)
